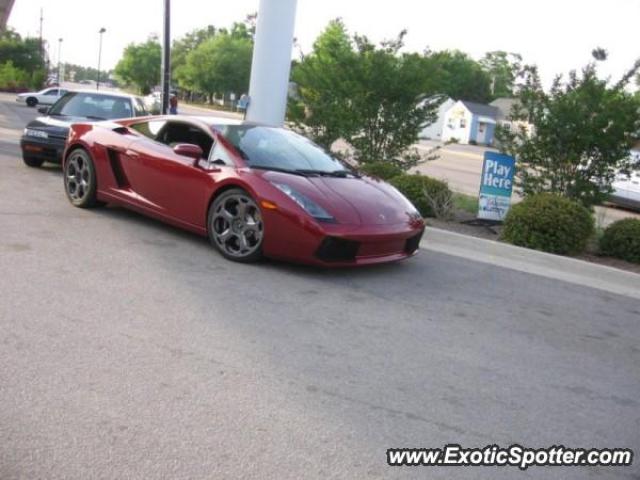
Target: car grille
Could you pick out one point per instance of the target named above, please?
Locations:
(333, 249)
(412, 244)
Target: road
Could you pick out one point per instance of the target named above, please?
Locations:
(461, 167)
(132, 350)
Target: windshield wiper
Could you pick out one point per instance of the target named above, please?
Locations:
(328, 173)
(93, 117)
(281, 170)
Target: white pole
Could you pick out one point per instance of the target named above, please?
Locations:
(271, 62)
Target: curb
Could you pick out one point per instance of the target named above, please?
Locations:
(548, 265)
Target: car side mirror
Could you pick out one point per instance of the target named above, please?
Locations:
(189, 150)
(43, 110)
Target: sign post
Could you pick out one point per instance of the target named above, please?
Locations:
(496, 185)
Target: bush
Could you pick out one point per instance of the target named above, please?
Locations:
(383, 170)
(430, 196)
(550, 223)
(12, 78)
(621, 239)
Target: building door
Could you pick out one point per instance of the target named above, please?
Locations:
(482, 133)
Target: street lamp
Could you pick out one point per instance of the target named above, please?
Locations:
(101, 31)
(60, 61)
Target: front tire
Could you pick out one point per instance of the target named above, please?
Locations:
(32, 161)
(32, 101)
(235, 226)
(80, 182)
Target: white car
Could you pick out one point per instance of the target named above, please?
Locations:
(626, 190)
(48, 96)
(153, 102)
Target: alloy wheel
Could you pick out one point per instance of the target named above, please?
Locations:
(78, 177)
(236, 225)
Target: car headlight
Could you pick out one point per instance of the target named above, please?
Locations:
(308, 205)
(30, 132)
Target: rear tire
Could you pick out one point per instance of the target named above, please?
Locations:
(32, 101)
(235, 226)
(80, 182)
(32, 161)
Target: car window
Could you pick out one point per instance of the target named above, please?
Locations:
(53, 92)
(220, 154)
(93, 105)
(138, 108)
(149, 129)
(268, 147)
(180, 132)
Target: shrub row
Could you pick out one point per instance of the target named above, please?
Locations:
(622, 240)
(558, 225)
(430, 196)
(550, 223)
(546, 222)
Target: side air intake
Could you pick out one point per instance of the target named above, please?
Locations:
(117, 170)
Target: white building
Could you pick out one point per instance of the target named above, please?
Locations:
(505, 108)
(434, 131)
(469, 122)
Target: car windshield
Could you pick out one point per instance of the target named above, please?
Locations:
(280, 149)
(92, 105)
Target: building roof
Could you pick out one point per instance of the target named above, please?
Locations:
(481, 109)
(504, 106)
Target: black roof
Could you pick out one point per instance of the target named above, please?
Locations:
(481, 109)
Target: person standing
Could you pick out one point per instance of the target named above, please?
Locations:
(173, 103)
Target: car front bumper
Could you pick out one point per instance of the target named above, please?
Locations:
(50, 149)
(335, 245)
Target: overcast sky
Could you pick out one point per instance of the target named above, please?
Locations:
(557, 35)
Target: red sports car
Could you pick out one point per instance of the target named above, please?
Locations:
(252, 189)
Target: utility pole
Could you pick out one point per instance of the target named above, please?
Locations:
(101, 31)
(166, 57)
(41, 44)
(60, 61)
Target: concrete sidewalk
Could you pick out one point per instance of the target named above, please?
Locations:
(532, 261)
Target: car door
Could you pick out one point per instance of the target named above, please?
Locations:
(171, 184)
(49, 97)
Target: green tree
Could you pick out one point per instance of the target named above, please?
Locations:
(85, 73)
(325, 81)
(12, 77)
(25, 55)
(140, 65)
(372, 96)
(583, 130)
(219, 65)
(460, 76)
(391, 101)
(183, 46)
(502, 68)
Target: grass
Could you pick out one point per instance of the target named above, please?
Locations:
(465, 202)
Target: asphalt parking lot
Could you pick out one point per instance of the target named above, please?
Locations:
(131, 349)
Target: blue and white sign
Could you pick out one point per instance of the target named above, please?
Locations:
(496, 186)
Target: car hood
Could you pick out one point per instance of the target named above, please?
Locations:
(356, 201)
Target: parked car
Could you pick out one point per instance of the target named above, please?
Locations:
(626, 190)
(153, 102)
(44, 138)
(252, 189)
(48, 96)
